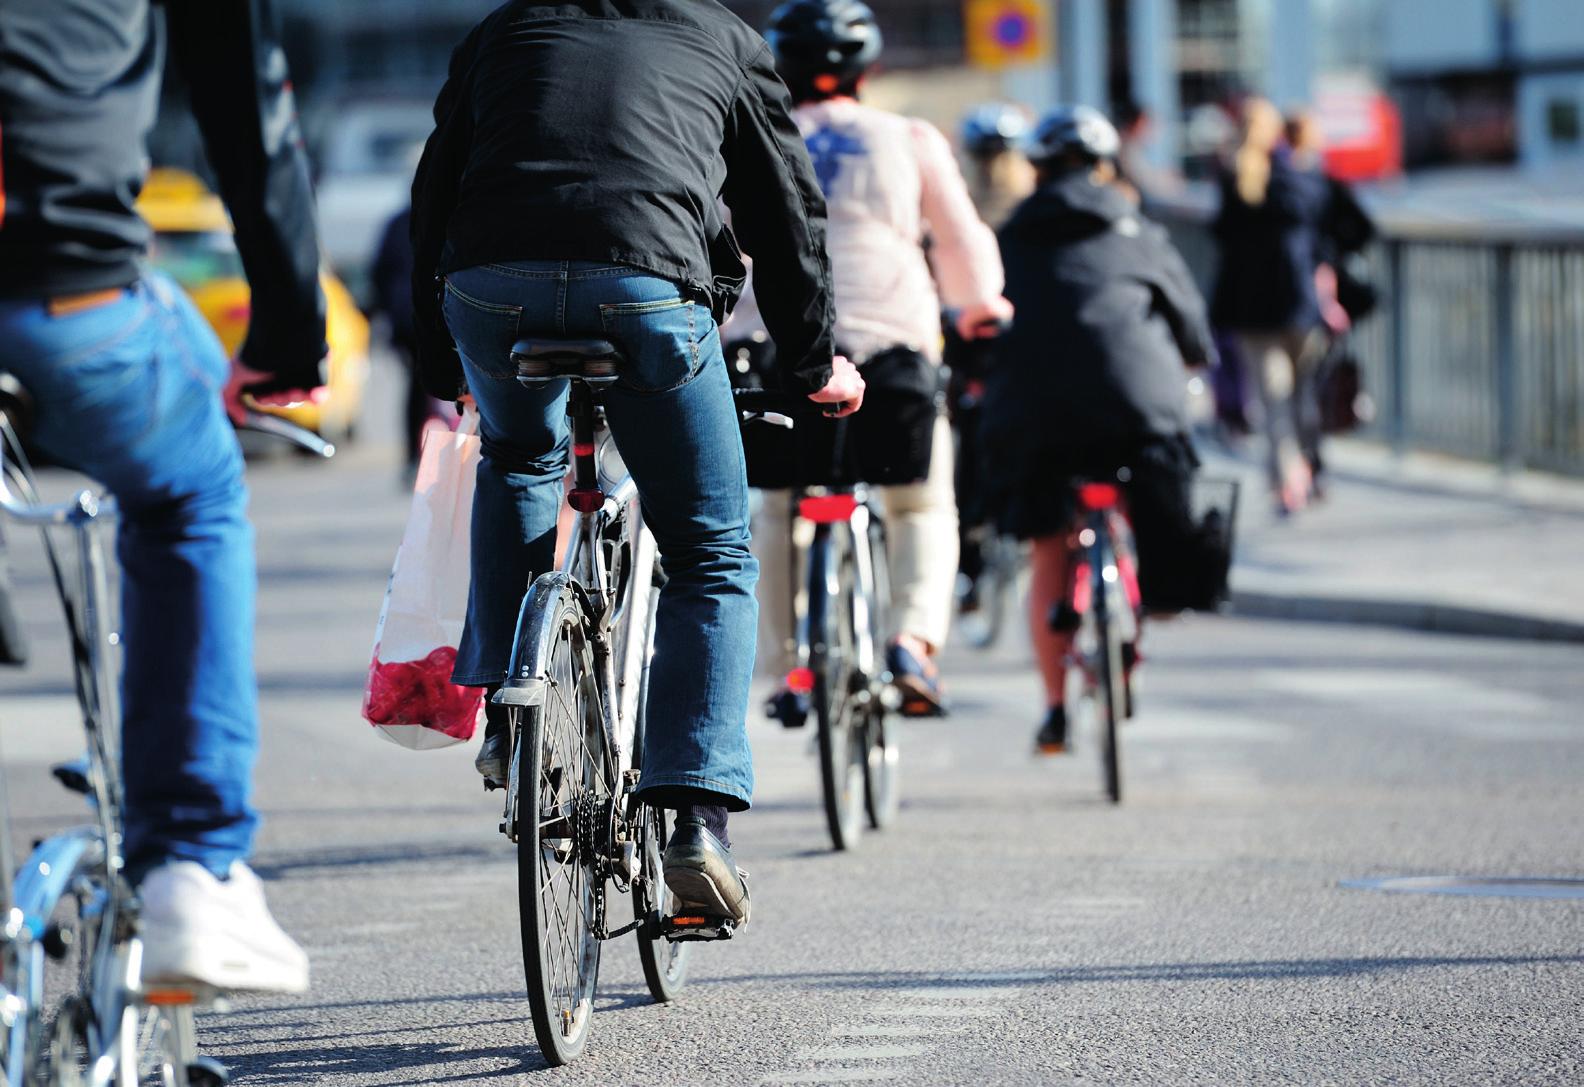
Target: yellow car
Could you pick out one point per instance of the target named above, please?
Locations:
(193, 245)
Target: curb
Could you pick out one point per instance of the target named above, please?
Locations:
(1405, 615)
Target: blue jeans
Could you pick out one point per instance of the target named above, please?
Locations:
(674, 422)
(129, 393)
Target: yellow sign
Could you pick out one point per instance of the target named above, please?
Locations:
(1006, 33)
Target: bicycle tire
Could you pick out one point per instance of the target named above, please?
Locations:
(1111, 694)
(841, 745)
(882, 756)
(559, 774)
(664, 962)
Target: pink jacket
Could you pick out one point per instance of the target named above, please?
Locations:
(890, 182)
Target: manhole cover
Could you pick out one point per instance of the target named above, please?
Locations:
(1483, 886)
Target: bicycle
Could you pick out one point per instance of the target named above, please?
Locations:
(73, 1007)
(1101, 607)
(576, 704)
(839, 625)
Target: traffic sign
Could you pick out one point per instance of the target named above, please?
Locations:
(1007, 33)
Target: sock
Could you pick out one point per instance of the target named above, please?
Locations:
(713, 817)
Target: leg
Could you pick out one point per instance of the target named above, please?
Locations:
(922, 521)
(1274, 367)
(1047, 587)
(772, 545)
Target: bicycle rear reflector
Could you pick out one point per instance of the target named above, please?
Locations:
(1099, 496)
(800, 680)
(828, 509)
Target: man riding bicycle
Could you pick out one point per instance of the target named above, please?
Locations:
(132, 388)
(892, 187)
(571, 190)
(1090, 380)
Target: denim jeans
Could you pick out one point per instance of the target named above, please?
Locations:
(674, 422)
(129, 393)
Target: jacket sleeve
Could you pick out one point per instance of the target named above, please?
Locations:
(1179, 301)
(779, 213)
(963, 254)
(434, 196)
(230, 55)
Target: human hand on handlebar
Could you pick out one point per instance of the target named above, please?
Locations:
(984, 320)
(238, 396)
(845, 389)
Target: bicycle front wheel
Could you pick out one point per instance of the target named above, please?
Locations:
(561, 785)
(842, 737)
(1111, 700)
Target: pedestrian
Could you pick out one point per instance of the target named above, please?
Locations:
(1090, 381)
(1268, 230)
(391, 288)
(133, 389)
(571, 190)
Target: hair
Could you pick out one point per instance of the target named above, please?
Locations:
(1261, 131)
(1303, 132)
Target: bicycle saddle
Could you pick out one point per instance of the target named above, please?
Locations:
(540, 360)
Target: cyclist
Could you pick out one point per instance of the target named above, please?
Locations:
(892, 187)
(1090, 379)
(133, 389)
(1001, 177)
(570, 190)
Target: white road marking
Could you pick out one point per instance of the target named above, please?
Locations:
(861, 1053)
(834, 1075)
(932, 1011)
(896, 1031)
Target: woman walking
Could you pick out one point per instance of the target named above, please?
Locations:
(1269, 232)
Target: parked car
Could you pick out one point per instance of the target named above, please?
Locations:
(193, 244)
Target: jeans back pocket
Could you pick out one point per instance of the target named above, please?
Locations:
(660, 340)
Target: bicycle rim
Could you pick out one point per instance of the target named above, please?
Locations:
(560, 771)
(665, 962)
(882, 771)
(841, 742)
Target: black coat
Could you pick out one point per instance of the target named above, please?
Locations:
(79, 85)
(1269, 252)
(609, 130)
(1107, 314)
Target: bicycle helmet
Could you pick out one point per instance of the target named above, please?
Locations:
(1078, 131)
(993, 128)
(823, 47)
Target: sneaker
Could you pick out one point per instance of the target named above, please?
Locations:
(1051, 739)
(219, 934)
(493, 756)
(700, 872)
(917, 681)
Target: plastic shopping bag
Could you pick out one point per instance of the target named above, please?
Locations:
(410, 697)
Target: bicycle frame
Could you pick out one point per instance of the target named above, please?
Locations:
(858, 517)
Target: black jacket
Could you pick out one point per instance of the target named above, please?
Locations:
(1107, 315)
(1269, 252)
(79, 87)
(609, 130)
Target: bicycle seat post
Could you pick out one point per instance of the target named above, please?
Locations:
(586, 496)
(589, 365)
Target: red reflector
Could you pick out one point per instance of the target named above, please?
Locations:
(1098, 496)
(828, 509)
(586, 501)
(800, 680)
(582, 449)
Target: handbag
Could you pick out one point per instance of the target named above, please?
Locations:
(409, 696)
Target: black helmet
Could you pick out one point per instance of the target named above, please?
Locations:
(1076, 130)
(993, 128)
(838, 39)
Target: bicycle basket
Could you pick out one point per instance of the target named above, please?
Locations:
(1215, 506)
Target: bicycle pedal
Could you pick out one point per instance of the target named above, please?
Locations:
(692, 927)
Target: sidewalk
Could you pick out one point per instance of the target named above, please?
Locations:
(1422, 542)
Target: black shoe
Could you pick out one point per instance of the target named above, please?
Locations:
(1051, 739)
(493, 756)
(791, 708)
(702, 876)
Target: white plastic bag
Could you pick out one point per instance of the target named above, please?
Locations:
(409, 696)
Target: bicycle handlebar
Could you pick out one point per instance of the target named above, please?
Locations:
(777, 408)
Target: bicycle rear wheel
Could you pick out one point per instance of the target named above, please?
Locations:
(562, 793)
(882, 756)
(842, 738)
(1111, 698)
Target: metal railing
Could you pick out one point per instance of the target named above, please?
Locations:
(1477, 349)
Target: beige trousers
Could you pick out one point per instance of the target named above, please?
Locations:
(921, 527)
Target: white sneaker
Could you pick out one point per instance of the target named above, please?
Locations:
(197, 928)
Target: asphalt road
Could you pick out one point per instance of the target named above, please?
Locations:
(1012, 928)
